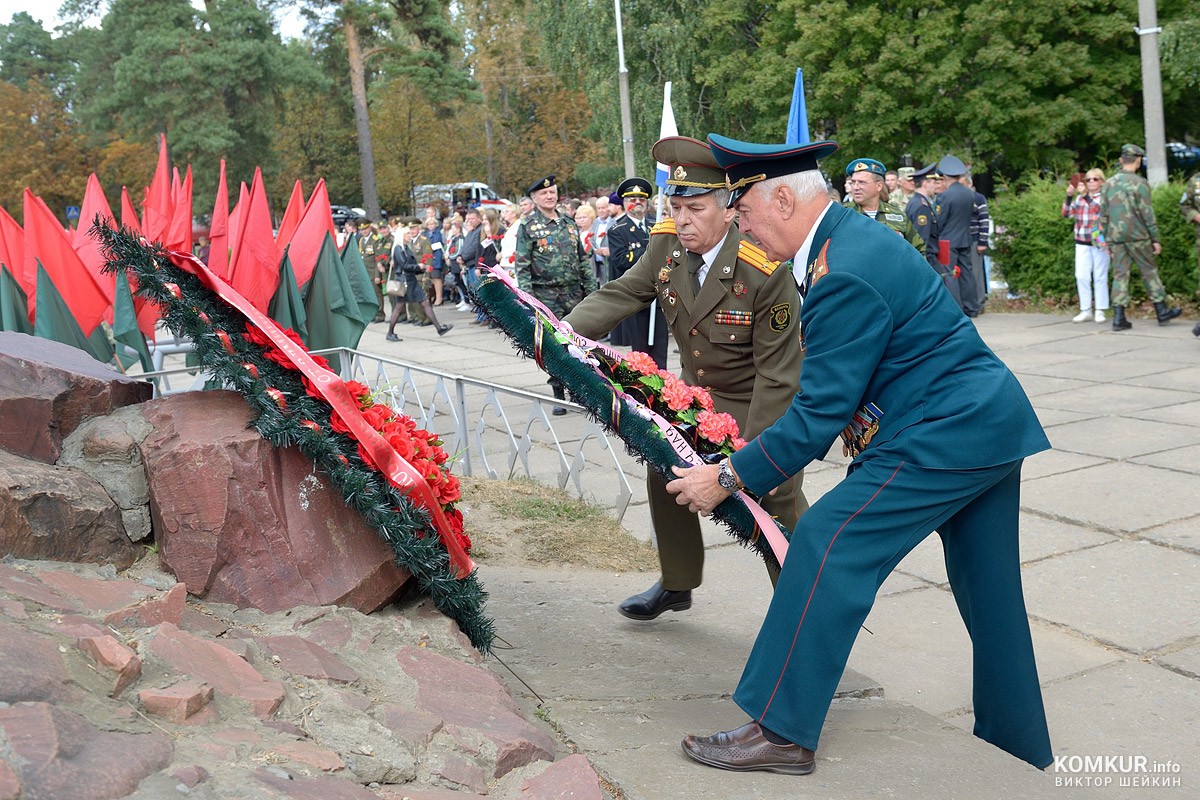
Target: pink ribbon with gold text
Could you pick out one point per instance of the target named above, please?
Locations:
(398, 471)
(679, 444)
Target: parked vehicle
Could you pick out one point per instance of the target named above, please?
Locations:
(344, 214)
(472, 194)
(1182, 158)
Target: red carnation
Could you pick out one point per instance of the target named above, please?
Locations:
(337, 423)
(377, 416)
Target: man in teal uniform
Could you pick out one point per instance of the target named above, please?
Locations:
(937, 427)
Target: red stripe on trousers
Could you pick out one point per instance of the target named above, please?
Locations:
(813, 591)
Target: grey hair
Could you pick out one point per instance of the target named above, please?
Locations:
(806, 185)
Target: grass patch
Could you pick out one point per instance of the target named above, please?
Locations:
(526, 522)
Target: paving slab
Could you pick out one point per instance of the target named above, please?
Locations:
(1117, 593)
(1179, 413)
(1051, 417)
(1187, 378)
(1112, 368)
(1129, 708)
(1053, 462)
(1114, 497)
(1106, 398)
(1181, 459)
(1184, 535)
(919, 651)
(1120, 437)
(1038, 385)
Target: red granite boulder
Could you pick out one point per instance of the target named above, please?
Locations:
(49, 388)
(241, 521)
(59, 514)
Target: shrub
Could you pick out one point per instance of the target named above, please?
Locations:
(1034, 246)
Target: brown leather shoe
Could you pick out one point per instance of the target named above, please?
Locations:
(746, 749)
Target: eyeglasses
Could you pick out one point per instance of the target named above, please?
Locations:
(1092, 180)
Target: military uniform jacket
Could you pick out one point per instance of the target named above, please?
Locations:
(738, 338)
(920, 213)
(626, 244)
(549, 254)
(882, 335)
(895, 219)
(954, 208)
(1189, 204)
(1126, 213)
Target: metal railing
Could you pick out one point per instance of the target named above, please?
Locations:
(475, 420)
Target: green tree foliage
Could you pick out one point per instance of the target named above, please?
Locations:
(28, 54)
(213, 80)
(1035, 245)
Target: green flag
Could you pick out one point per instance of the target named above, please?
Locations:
(360, 280)
(55, 321)
(126, 330)
(287, 306)
(330, 306)
(14, 305)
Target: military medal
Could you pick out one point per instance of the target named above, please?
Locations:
(664, 275)
(739, 289)
(671, 298)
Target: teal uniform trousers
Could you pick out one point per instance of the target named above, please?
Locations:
(938, 427)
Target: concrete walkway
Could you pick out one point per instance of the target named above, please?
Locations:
(1111, 552)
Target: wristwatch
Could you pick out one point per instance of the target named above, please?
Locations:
(726, 478)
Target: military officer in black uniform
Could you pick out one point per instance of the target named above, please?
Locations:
(628, 237)
(955, 206)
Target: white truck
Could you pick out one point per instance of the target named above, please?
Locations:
(472, 194)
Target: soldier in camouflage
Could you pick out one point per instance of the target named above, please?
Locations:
(550, 262)
(864, 180)
(1131, 233)
(1189, 204)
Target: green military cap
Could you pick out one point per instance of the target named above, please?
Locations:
(868, 165)
(691, 168)
(1132, 150)
(363, 223)
(747, 163)
(541, 183)
(905, 172)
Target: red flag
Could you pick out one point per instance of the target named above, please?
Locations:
(129, 217)
(316, 221)
(175, 184)
(87, 247)
(235, 216)
(46, 241)
(253, 266)
(158, 205)
(12, 250)
(179, 236)
(218, 251)
(291, 218)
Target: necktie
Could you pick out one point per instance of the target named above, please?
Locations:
(694, 262)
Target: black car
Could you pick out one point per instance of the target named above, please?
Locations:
(1182, 158)
(344, 214)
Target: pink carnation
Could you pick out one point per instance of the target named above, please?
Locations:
(677, 394)
(703, 397)
(716, 427)
(641, 362)
(738, 443)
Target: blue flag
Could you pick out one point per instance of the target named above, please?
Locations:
(797, 129)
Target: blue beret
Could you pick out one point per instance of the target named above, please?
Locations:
(746, 163)
(866, 165)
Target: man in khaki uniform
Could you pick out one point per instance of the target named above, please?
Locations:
(733, 315)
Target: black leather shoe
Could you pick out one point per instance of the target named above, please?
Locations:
(1196, 330)
(442, 331)
(747, 749)
(391, 337)
(654, 601)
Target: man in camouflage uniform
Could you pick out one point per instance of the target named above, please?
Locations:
(550, 261)
(733, 314)
(864, 180)
(1189, 204)
(1131, 235)
(905, 188)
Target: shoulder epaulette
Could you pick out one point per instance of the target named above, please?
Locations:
(666, 226)
(753, 255)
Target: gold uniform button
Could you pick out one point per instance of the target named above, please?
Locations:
(696, 353)
(700, 372)
(694, 331)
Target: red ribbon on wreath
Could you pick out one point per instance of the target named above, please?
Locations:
(401, 474)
